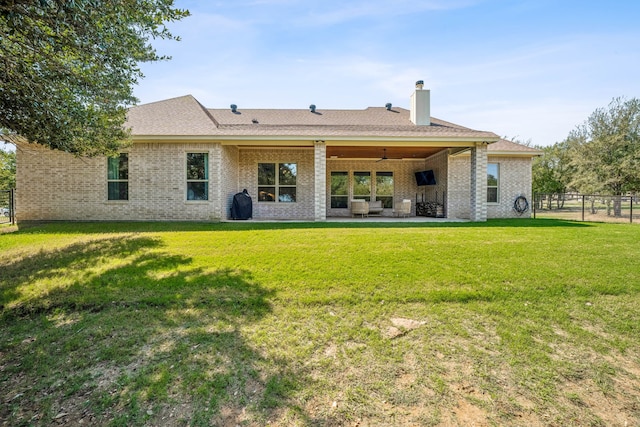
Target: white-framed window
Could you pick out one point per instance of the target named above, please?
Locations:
(493, 182)
(197, 176)
(118, 177)
(277, 182)
(339, 190)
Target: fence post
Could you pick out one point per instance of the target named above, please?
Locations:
(534, 205)
(631, 210)
(583, 208)
(12, 206)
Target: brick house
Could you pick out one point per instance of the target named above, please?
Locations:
(186, 162)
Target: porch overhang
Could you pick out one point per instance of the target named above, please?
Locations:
(362, 147)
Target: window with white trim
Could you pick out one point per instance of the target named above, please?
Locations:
(118, 177)
(493, 180)
(197, 176)
(277, 182)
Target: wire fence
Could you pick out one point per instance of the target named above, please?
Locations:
(587, 207)
(7, 207)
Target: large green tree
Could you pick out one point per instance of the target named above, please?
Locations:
(605, 150)
(69, 67)
(552, 171)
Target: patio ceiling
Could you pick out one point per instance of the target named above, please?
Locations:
(377, 152)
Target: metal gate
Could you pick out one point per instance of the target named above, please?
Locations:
(7, 207)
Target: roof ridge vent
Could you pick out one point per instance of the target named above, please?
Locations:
(312, 108)
(234, 108)
(388, 106)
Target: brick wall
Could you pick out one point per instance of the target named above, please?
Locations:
(320, 180)
(229, 173)
(458, 190)
(478, 191)
(515, 179)
(52, 185)
(45, 180)
(303, 208)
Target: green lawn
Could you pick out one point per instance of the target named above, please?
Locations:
(522, 322)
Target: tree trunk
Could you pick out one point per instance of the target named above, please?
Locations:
(617, 206)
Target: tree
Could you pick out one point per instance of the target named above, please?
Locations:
(605, 150)
(7, 169)
(551, 171)
(68, 68)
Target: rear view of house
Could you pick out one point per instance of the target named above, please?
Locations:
(186, 162)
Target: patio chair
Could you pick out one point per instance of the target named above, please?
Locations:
(359, 207)
(375, 207)
(402, 208)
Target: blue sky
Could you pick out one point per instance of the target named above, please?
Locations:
(529, 69)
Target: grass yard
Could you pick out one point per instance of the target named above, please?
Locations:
(517, 323)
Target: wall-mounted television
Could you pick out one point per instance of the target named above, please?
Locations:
(425, 178)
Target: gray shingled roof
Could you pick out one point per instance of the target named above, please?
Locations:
(184, 116)
(372, 122)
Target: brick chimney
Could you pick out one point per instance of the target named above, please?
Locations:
(421, 105)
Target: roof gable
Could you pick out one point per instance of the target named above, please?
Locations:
(183, 116)
(505, 146)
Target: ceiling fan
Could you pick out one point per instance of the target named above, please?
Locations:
(384, 155)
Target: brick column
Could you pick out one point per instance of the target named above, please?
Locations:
(478, 202)
(215, 182)
(320, 180)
